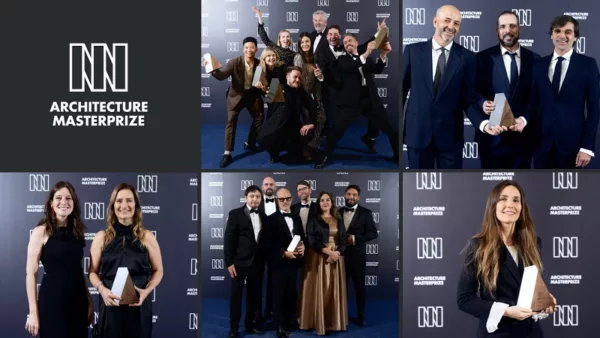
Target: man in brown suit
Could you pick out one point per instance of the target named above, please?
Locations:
(241, 94)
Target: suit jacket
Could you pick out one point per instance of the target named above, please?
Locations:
(363, 228)
(441, 116)
(236, 68)
(508, 285)
(561, 118)
(349, 81)
(261, 206)
(240, 246)
(280, 238)
(318, 234)
(322, 43)
(312, 209)
(492, 79)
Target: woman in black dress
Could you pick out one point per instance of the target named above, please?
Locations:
(125, 243)
(63, 307)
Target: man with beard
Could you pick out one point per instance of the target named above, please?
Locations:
(245, 250)
(361, 229)
(305, 207)
(440, 76)
(268, 207)
(505, 68)
(564, 84)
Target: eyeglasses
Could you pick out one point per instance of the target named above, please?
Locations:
(284, 199)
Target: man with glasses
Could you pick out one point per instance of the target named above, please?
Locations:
(305, 207)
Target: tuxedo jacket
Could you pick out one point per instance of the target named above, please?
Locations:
(508, 285)
(346, 71)
(236, 68)
(261, 207)
(322, 43)
(240, 246)
(318, 234)
(363, 228)
(312, 209)
(280, 238)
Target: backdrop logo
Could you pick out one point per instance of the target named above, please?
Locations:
(216, 201)
(414, 16)
(373, 185)
(429, 248)
(204, 31)
(94, 210)
(116, 76)
(524, 16)
(382, 92)
(262, 3)
(351, 16)
(431, 316)
(470, 149)
(217, 264)
(470, 42)
(292, 16)
(231, 16)
(564, 180)
(371, 280)
(313, 184)
(382, 3)
(147, 183)
(233, 46)
(376, 217)
(246, 183)
(193, 321)
(216, 232)
(429, 181)
(340, 201)
(323, 3)
(372, 249)
(205, 91)
(565, 247)
(194, 211)
(580, 46)
(39, 182)
(86, 264)
(566, 315)
(193, 266)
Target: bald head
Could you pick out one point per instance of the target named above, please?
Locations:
(269, 186)
(284, 199)
(446, 23)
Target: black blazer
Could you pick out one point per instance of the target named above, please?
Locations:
(363, 228)
(240, 245)
(322, 43)
(261, 206)
(508, 285)
(318, 234)
(349, 81)
(280, 238)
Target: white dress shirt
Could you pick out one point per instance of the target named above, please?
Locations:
(255, 223)
(271, 207)
(435, 55)
(348, 216)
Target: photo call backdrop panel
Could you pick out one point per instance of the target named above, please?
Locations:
(222, 192)
(478, 32)
(170, 210)
(226, 23)
(442, 211)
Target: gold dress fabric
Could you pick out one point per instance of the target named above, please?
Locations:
(323, 305)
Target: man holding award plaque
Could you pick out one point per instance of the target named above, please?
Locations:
(286, 250)
(501, 282)
(504, 83)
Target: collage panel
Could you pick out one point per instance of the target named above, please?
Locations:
(337, 110)
(132, 235)
(248, 223)
(517, 86)
(442, 214)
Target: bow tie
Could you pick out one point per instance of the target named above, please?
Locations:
(349, 209)
(270, 200)
(254, 211)
(303, 205)
(338, 48)
(286, 214)
(320, 33)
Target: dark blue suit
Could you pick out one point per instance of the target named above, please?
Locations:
(559, 122)
(433, 125)
(509, 150)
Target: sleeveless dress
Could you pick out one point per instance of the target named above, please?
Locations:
(125, 321)
(62, 299)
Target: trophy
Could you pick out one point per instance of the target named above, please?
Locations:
(275, 93)
(213, 64)
(259, 76)
(502, 114)
(294, 243)
(381, 39)
(124, 289)
(534, 294)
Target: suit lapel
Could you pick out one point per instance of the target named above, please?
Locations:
(500, 70)
(571, 71)
(283, 222)
(242, 70)
(509, 262)
(427, 65)
(249, 222)
(453, 63)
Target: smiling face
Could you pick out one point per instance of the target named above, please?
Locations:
(305, 43)
(125, 206)
(563, 38)
(351, 196)
(325, 203)
(447, 24)
(319, 22)
(285, 39)
(249, 50)
(253, 199)
(62, 204)
(508, 208)
(333, 36)
(508, 30)
(270, 58)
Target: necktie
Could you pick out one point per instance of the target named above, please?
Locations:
(557, 73)
(270, 200)
(349, 209)
(514, 72)
(286, 214)
(439, 71)
(303, 205)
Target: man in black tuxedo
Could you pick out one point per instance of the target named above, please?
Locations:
(357, 94)
(361, 229)
(283, 226)
(245, 251)
(318, 37)
(268, 207)
(305, 207)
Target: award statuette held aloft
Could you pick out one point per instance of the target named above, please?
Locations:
(260, 76)
(123, 287)
(502, 114)
(382, 38)
(213, 64)
(534, 294)
(275, 93)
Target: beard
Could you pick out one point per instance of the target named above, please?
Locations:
(515, 40)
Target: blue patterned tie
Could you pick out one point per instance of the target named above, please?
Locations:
(556, 77)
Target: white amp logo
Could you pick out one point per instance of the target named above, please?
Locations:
(429, 181)
(564, 180)
(524, 16)
(193, 266)
(566, 315)
(580, 45)
(414, 16)
(147, 183)
(429, 248)
(431, 316)
(193, 321)
(39, 182)
(471, 149)
(565, 247)
(94, 210)
(470, 42)
(116, 76)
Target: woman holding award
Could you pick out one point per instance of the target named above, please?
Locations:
(63, 308)
(496, 258)
(322, 303)
(125, 243)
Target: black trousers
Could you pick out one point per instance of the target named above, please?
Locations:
(253, 277)
(355, 271)
(285, 293)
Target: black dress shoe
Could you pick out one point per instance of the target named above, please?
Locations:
(226, 160)
(251, 147)
(232, 334)
(254, 330)
(369, 143)
(281, 333)
(321, 164)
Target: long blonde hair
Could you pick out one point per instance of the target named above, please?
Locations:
(263, 56)
(279, 38)
(111, 219)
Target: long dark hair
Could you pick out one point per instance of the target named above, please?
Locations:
(334, 212)
(307, 57)
(50, 222)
